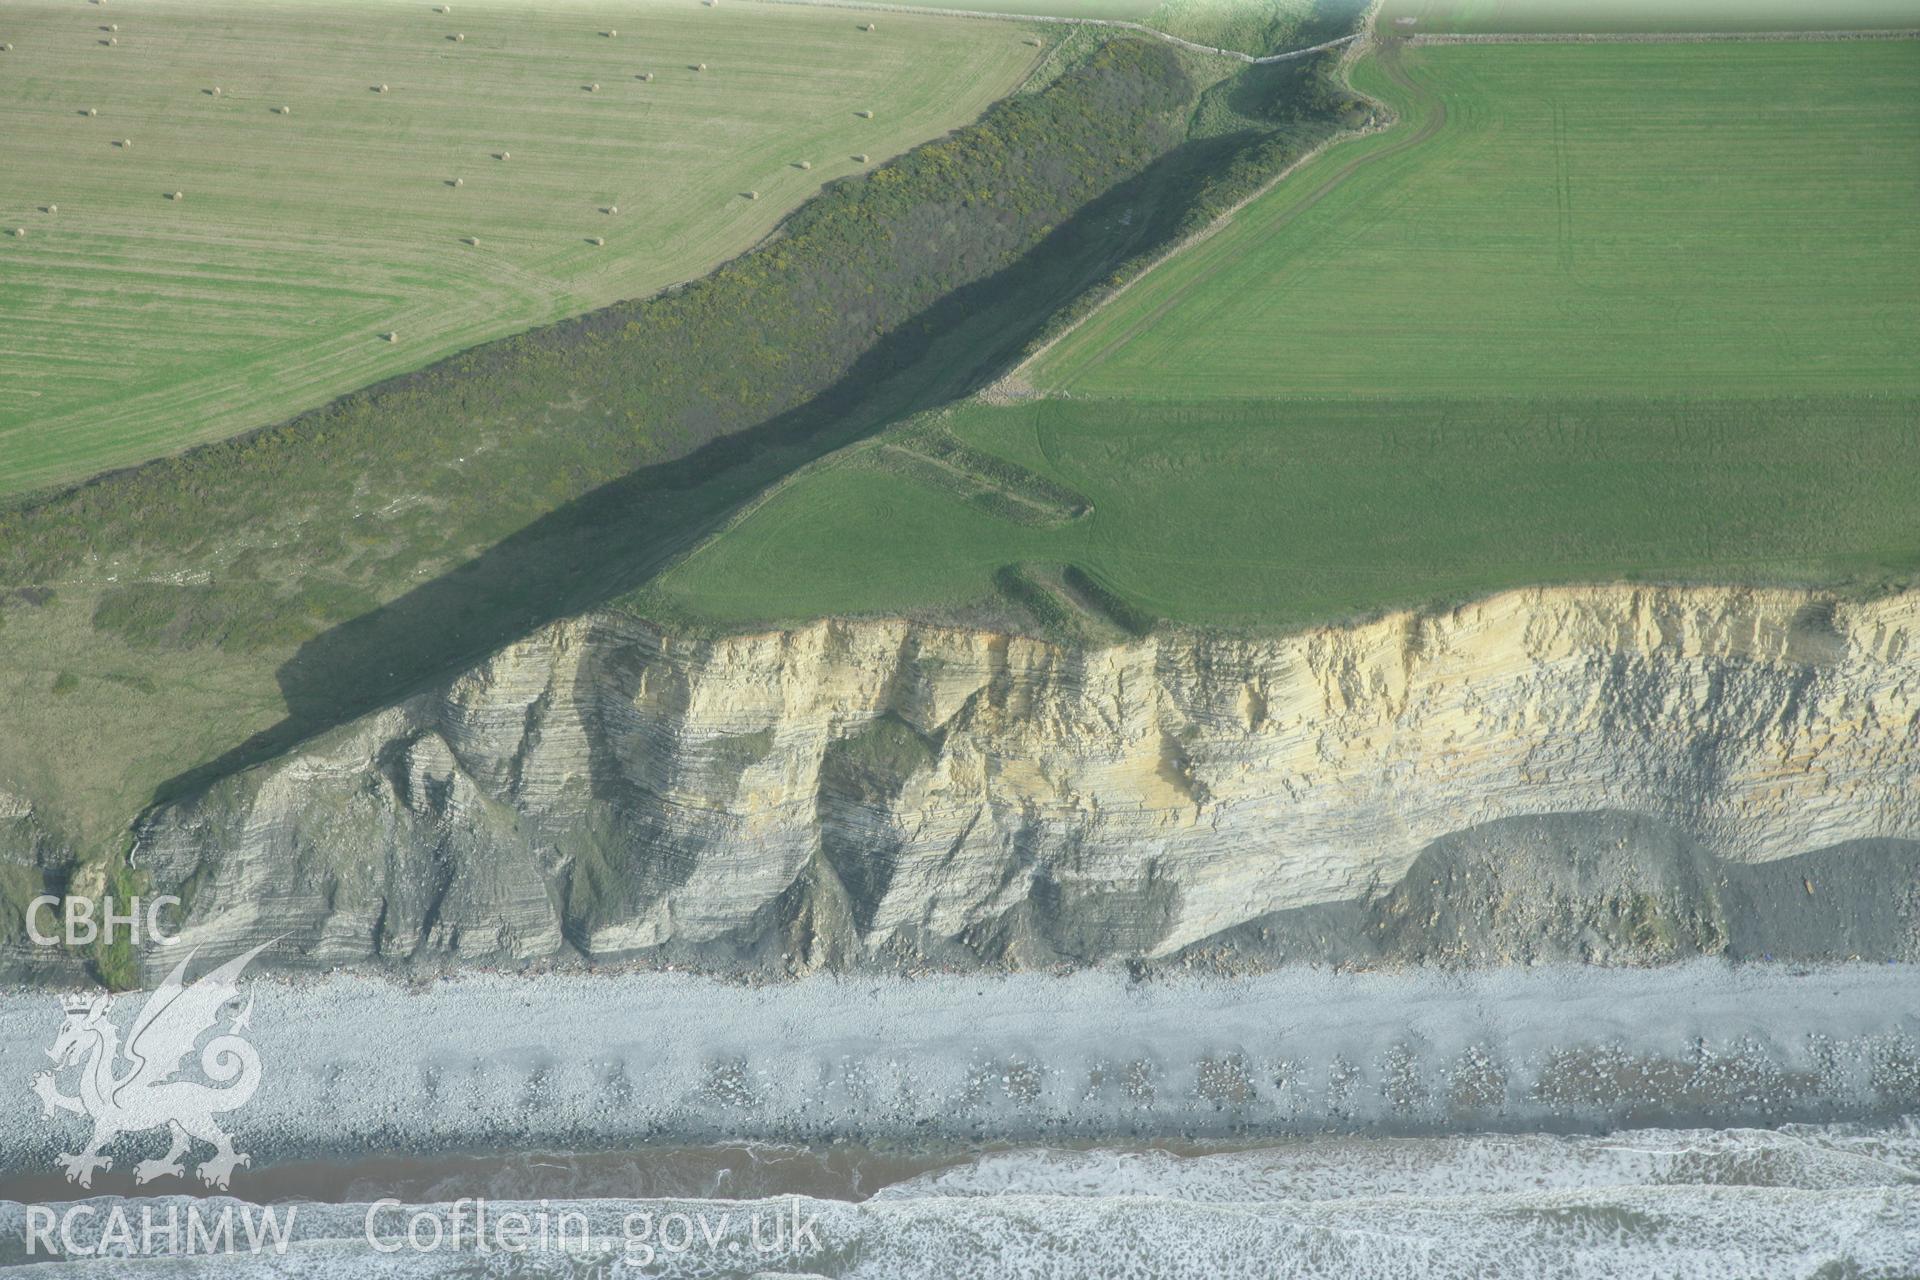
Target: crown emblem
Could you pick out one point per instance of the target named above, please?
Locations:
(77, 1003)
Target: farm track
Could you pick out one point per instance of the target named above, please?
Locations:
(1436, 120)
(1116, 24)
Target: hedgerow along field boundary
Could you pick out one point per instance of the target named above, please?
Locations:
(350, 171)
(1324, 409)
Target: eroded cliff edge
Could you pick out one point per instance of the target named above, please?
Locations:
(1606, 773)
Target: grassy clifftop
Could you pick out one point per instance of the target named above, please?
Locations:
(1546, 329)
(171, 623)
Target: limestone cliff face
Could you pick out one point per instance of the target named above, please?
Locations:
(852, 789)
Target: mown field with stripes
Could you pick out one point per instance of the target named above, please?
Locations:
(316, 148)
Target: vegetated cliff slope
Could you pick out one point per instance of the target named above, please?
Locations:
(203, 611)
(1607, 772)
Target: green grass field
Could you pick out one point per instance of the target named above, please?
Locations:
(132, 324)
(1588, 313)
(1634, 219)
(1529, 16)
(1282, 513)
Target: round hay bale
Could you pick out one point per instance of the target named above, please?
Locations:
(594, 87)
(283, 110)
(53, 208)
(613, 208)
(178, 195)
(861, 158)
(864, 115)
(391, 337)
(472, 240)
(459, 37)
(19, 233)
(113, 26)
(506, 155)
(699, 66)
(216, 91)
(868, 27)
(379, 88)
(93, 111)
(646, 75)
(1034, 41)
(596, 241)
(610, 33)
(111, 40)
(443, 8)
(6, 48)
(459, 182)
(126, 144)
(803, 164)
(753, 195)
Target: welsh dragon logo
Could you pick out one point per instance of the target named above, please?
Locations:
(132, 1088)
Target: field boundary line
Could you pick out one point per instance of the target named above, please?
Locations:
(1006, 384)
(1654, 37)
(1046, 511)
(1119, 24)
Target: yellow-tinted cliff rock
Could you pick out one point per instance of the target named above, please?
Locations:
(838, 789)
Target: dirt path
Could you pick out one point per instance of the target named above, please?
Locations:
(1118, 23)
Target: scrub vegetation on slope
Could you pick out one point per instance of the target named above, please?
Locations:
(170, 624)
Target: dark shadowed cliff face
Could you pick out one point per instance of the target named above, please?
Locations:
(1622, 775)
